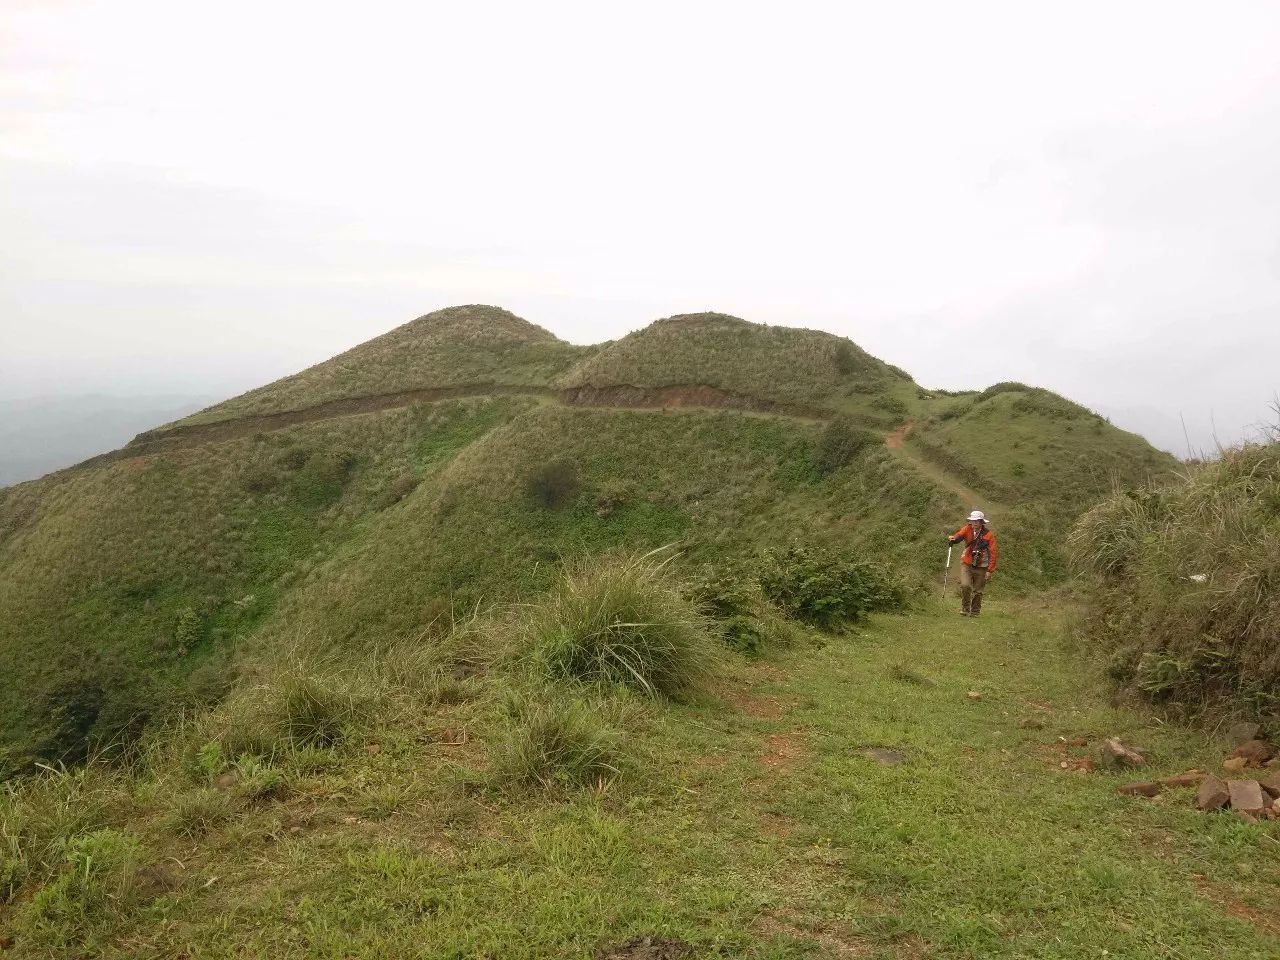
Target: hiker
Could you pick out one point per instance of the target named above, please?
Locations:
(978, 563)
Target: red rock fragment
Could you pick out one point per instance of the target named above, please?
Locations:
(1117, 754)
(1191, 778)
(1213, 794)
(1255, 752)
(1246, 796)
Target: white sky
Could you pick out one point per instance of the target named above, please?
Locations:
(1085, 196)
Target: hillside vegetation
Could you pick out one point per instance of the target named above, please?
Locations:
(1183, 583)
(470, 642)
(139, 586)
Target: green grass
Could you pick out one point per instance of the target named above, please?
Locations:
(749, 824)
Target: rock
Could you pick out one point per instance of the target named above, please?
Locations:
(1243, 733)
(1271, 783)
(974, 695)
(1141, 788)
(1191, 778)
(1246, 796)
(373, 748)
(1255, 752)
(1117, 754)
(1234, 764)
(1245, 816)
(1213, 794)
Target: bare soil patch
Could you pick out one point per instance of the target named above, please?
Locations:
(783, 751)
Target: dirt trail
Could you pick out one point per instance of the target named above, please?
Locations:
(895, 440)
(623, 397)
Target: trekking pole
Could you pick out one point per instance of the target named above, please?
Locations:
(946, 571)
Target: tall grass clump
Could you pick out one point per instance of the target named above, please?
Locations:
(621, 620)
(43, 815)
(294, 705)
(553, 741)
(1182, 584)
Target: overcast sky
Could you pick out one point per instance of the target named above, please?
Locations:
(201, 197)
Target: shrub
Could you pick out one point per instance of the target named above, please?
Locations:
(818, 586)
(737, 606)
(555, 742)
(841, 440)
(845, 359)
(622, 620)
(554, 483)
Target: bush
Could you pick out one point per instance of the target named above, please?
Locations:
(555, 742)
(737, 606)
(839, 443)
(818, 586)
(621, 620)
(554, 483)
(1209, 642)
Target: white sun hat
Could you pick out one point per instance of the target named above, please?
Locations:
(977, 515)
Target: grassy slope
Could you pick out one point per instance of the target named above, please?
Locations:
(361, 524)
(120, 582)
(452, 347)
(751, 826)
(723, 485)
(783, 364)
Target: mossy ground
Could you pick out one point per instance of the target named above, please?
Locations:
(750, 825)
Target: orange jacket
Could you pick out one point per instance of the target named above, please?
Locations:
(975, 544)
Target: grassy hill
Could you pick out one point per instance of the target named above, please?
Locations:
(459, 346)
(139, 585)
(388, 659)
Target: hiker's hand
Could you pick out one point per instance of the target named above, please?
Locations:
(989, 576)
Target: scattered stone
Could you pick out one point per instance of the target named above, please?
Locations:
(1075, 741)
(1246, 816)
(1213, 794)
(1191, 778)
(1031, 723)
(885, 756)
(1234, 764)
(1246, 796)
(1243, 733)
(373, 748)
(1271, 783)
(974, 695)
(1141, 788)
(1117, 754)
(1255, 752)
